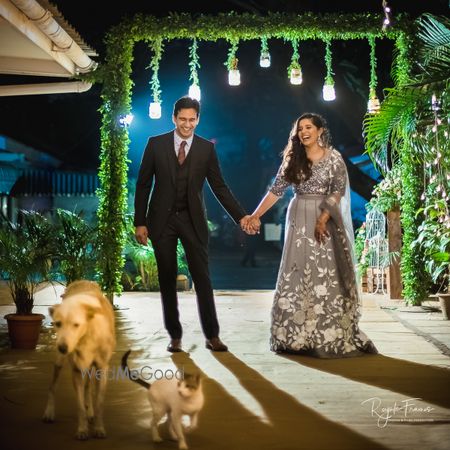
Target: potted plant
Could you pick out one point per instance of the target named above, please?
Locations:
(75, 246)
(434, 239)
(26, 249)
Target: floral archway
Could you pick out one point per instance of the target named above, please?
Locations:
(115, 75)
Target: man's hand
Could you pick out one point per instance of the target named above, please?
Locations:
(141, 234)
(250, 224)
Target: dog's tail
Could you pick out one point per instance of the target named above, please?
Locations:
(127, 372)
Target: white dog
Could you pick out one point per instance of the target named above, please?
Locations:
(84, 323)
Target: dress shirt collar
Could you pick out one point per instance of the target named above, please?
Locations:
(178, 140)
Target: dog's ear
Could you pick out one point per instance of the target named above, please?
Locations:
(91, 310)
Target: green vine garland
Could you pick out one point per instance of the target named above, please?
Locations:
(115, 73)
(157, 47)
(295, 57)
(328, 63)
(232, 61)
(373, 68)
(194, 63)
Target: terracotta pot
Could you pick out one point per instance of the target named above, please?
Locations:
(444, 301)
(182, 283)
(24, 330)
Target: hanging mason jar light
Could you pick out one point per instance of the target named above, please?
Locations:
(294, 69)
(264, 57)
(296, 76)
(328, 91)
(234, 77)
(154, 110)
(373, 104)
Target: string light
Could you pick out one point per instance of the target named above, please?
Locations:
(435, 104)
(387, 15)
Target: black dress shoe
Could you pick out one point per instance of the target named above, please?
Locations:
(216, 345)
(174, 346)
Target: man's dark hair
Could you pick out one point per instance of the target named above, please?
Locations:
(186, 103)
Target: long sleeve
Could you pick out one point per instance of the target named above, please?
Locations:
(338, 181)
(221, 191)
(144, 185)
(280, 184)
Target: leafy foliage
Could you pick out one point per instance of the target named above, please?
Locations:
(387, 194)
(115, 74)
(194, 63)
(403, 132)
(157, 48)
(144, 275)
(75, 246)
(25, 256)
(328, 62)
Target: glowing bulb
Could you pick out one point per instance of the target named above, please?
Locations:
(328, 92)
(126, 120)
(264, 59)
(373, 105)
(296, 76)
(234, 77)
(154, 111)
(194, 92)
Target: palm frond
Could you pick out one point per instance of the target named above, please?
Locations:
(397, 112)
(434, 33)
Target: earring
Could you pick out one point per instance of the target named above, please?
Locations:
(319, 141)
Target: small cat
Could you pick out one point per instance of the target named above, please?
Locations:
(174, 398)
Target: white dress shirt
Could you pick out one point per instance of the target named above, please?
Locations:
(178, 140)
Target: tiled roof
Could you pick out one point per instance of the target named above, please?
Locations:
(67, 27)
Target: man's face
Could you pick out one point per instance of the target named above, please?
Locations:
(185, 122)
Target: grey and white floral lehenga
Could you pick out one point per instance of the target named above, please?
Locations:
(316, 304)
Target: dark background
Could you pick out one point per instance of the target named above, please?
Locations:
(250, 123)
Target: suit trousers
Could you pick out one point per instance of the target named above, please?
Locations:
(179, 226)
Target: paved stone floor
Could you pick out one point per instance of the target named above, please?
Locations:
(254, 398)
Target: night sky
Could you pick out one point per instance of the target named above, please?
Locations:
(249, 123)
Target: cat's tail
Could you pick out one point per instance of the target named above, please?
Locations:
(130, 376)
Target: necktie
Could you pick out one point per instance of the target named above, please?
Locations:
(182, 153)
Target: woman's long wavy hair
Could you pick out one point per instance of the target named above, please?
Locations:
(296, 165)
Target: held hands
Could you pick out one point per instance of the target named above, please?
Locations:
(141, 234)
(250, 224)
(320, 231)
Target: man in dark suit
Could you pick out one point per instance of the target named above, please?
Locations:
(173, 170)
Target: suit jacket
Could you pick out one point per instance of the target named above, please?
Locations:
(157, 181)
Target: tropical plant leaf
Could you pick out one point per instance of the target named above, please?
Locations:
(386, 127)
(434, 54)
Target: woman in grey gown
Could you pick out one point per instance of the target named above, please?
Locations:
(316, 304)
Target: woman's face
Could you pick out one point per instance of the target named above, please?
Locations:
(308, 133)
